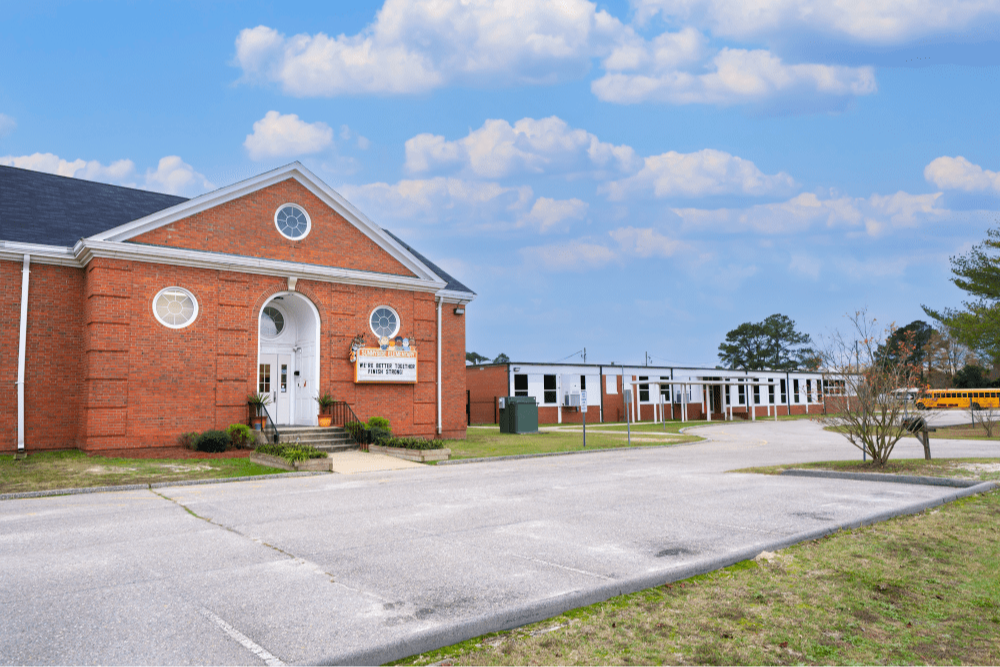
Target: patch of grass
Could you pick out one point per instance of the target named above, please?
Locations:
(489, 441)
(70, 470)
(918, 589)
(640, 427)
(983, 469)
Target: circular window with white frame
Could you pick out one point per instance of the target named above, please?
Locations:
(384, 321)
(175, 307)
(272, 322)
(292, 221)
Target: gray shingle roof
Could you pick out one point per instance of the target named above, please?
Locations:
(453, 284)
(36, 207)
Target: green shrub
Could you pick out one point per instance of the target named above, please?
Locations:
(240, 435)
(291, 452)
(379, 422)
(358, 431)
(379, 436)
(410, 442)
(189, 440)
(213, 441)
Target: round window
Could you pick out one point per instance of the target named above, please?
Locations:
(292, 221)
(175, 307)
(272, 322)
(384, 322)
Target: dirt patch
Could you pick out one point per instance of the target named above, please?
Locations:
(979, 467)
(169, 453)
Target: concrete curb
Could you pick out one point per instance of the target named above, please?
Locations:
(514, 457)
(435, 638)
(154, 485)
(882, 477)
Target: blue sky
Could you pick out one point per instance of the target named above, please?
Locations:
(628, 177)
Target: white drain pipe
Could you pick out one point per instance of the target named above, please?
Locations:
(22, 353)
(439, 369)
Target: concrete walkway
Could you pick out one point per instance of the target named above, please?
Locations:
(354, 462)
(372, 566)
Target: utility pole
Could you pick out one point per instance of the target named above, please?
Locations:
(584, 355)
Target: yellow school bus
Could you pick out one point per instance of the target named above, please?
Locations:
(959, 398)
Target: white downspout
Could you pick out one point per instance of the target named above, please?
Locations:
(439, 369)
(22, 353)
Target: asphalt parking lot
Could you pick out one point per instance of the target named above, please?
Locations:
(375, 566)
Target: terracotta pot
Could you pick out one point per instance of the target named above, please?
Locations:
(258, 423)
(325, 420)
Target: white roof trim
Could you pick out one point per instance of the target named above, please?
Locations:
(295, 170)
(87, 249)
(40, 254)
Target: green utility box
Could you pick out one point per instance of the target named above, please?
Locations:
(519, 414)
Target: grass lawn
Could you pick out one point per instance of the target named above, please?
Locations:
(641, 427)
(972, 468)
(66, 470)
(482, 441)
(917, 589)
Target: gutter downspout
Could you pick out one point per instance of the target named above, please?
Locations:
(22, 353)
(439, 368)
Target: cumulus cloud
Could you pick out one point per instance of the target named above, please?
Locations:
(876, 215)
(886, 22)
(279, 135)
(172, 174)
(733, 76)
(347, 134)
(957, 173)
(7, 125)
(549, 214)
(583, 255)
(499, 149)
(436, 199)
(417, 46)
(705, 172)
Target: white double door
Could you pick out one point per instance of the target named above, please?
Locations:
(274, 377)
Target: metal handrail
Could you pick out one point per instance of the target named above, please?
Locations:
(269, 428)
(343, 415)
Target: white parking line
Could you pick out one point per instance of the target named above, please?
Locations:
(252, 646)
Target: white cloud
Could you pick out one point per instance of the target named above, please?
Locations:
(548, 214)
(172, 174)
(498, 149)
(877, 23)
(176, 177)
(279, 135)
(347, 134)
(877, 214)
(7, 125)
(583, 255)
(93, 170)
(734, 76)
(436, 199)
(418, 45)
(705, 172)
(645, 242)
(957, 173)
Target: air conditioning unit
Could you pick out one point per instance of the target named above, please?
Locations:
(571, 400)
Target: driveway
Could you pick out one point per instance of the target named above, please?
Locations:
(375, 566)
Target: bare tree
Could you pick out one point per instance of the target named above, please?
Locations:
(876, 385)
(986, 415)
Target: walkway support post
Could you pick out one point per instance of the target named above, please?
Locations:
(22, 353)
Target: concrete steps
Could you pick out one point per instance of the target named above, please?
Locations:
(330, 439)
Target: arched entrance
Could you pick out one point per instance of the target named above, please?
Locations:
(288, 358)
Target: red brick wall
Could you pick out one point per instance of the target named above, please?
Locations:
(486, 384)
(52, 381)
(10, 318)
(246, 226)
(148, 383)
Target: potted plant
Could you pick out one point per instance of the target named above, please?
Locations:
(325, 403)
(257, 402)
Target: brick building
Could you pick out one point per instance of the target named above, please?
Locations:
(657, 392)
(129, 317)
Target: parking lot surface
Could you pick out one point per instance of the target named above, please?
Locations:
(374, 566)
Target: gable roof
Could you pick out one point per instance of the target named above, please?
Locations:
(46, 210)
(453, 284)
(36, 207)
